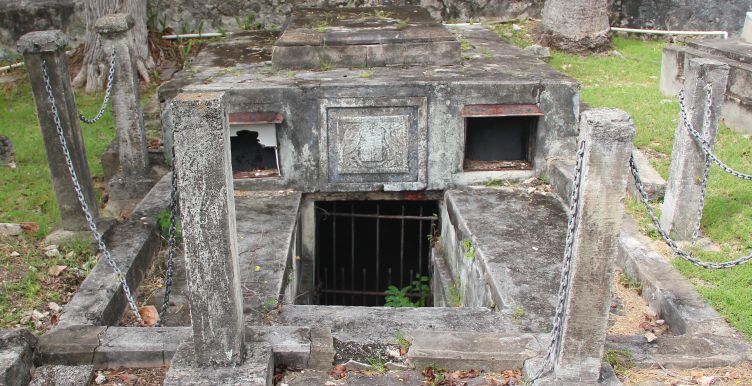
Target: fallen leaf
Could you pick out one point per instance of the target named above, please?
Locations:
(29, 227)
(696, 374)
(403, 351)
(650, 337)
(705, 381)
(54, 319)
(149, 315)
(56, 270)
(338, 372)
(100, 378)
(258, 268)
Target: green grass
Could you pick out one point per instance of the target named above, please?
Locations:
(26, 193)
(629, 81)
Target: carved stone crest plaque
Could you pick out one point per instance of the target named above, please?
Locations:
(373, 143)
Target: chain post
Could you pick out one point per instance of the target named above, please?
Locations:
(670, 242)
(79, 194)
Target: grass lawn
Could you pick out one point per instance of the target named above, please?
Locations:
(629, 81)
(26, 195)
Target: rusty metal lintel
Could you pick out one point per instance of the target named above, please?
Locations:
(470, 111)
(255, 117)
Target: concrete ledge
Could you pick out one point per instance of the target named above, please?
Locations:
(655, 185)
(133, 243)
(684, 351)
(111, 347)
(471, 350)
(16, 347)
(290, 345)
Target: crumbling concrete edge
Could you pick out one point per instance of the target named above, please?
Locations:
(133, 243)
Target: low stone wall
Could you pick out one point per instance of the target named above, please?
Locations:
(703, 15)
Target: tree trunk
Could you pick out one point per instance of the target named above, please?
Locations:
(578, 26)
(93, 73)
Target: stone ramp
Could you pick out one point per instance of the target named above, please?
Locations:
(518, 238)
(265, 223)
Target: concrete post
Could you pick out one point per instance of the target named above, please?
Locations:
(50, 46)
(747, 30)
(683, 189)
(608, 143)
(202, 162)
(132, 181)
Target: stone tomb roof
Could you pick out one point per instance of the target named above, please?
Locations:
(363, 37)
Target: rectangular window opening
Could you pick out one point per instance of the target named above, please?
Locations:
(502, 142)
(363, 247)
(253, 145)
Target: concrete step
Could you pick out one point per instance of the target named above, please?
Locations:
(472, 350)
(62, 375)
(379, 325)
(734, 49)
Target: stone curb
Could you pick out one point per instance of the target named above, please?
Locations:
(133, 243)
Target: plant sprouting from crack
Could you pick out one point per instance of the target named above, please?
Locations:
(469, 248)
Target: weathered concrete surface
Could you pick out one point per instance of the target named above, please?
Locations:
(606, 135)
(746, 35)
(20, 17)
(207, 205)
(654, 184)
(702, 15)
(256, 370)
(291, 345)
(684, 351)
(139, 347)
(684, 188)
(702, 337)
(62, 375)
(492, 72)
(99, 300)
(358, 37)
(50, 46)
(471, 350)
(520, 264)
(70, 346)
(132, 181)
(322, 349)
(379, 324)
(266, 224)
(737, 106)
(111, 347)
(16, 348)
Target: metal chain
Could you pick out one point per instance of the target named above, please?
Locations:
(706, 168)
(574, 204)
(671, 243)
(79, 193)
(171, 241)
(107, 92)
(704, 142)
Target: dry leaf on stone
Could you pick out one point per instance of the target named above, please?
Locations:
(338, 372)
(30, 227)
(149, 315)
(54, 307)
(650, 337)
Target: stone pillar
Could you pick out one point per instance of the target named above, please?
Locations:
(747, 31)
(132, 180)
(608, 143)
(202, 162)
(50, 46)
(683, 189)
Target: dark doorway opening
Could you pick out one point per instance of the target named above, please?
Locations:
(363, 247)
(499, 143)
(251, 159)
